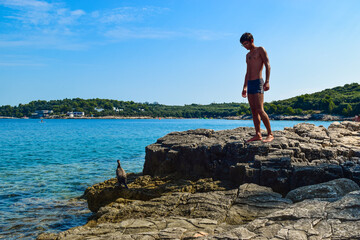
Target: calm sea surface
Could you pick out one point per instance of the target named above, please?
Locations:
(44, 167)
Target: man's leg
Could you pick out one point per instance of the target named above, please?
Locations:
(256, 117)
(259, 106)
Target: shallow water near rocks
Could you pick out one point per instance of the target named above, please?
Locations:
(45, 167)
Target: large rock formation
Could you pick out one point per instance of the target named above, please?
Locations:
(249, 212)
(146, 188)
(329, 191)
(299, 156)
(310, 219)
(202, 184)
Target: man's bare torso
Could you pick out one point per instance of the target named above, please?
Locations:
(255, 63)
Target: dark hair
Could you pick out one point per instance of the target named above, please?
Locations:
(246, 37)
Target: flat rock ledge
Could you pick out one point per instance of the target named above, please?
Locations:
(248, 212)
(205, 184)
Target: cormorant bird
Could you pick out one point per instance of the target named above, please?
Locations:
(121, 175)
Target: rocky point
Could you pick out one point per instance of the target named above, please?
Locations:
(205, 184)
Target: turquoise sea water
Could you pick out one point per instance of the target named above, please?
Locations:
(44, 167)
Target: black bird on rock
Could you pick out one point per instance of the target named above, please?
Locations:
(121, 175)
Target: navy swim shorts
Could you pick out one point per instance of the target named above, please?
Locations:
(255, 86)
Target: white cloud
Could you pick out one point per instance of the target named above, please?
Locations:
(120, 33)
(34, 12)
(42, 24)
(139, 33)
(77, 12)
(44, 41)
(116, 16)
(128, 14)
(26, 3)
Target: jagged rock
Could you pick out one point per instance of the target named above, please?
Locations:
(146, 228)
(309, 219)
(232, 206)
(352, 170)
(309, 175)
(146, 188)
(352, 126)
(212, 205)
(299, 156)
(201, 153)
(311, 131)
(329, 190)
(189, 189)
(254, 201)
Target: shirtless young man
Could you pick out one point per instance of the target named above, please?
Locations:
(254, 85)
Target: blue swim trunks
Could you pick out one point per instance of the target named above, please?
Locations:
(255, 86)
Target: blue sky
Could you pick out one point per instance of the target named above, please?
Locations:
(172, 51)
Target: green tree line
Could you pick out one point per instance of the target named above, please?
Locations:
(343, 101)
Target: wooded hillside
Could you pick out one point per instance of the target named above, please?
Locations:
(343, 101)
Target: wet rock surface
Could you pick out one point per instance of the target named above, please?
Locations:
(202, 184)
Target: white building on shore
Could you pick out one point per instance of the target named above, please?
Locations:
(41, 113)
(75, 114)
(118, 109)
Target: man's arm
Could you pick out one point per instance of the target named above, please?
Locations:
(246, 79)
(266, 62)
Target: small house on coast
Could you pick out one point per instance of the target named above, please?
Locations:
(75, 114)
(41, 113)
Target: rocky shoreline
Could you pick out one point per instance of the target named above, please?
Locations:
(205, 184)
(307, 117)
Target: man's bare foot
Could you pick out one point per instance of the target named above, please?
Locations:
(269, 138)
(200, 234)
(256, 138)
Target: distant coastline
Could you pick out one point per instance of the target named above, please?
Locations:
(308, 117)
(336, 104)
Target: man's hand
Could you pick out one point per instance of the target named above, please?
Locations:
(244, 93)
(266, 86)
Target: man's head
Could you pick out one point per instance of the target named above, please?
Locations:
(247, 40)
